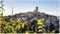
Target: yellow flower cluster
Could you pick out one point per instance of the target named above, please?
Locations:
(18, 26)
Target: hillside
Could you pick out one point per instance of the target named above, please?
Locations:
(31, 22)
(31, 15)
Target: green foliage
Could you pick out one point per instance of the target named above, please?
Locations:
(12, 26)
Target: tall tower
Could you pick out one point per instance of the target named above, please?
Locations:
(1, 8)
(36, 9)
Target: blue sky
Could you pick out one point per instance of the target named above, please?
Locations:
(19, 6)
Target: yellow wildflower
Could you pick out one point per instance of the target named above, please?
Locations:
(26, 32)
(23, 25)
(43, 19)
(40, 30)
(40, 27)
(39, 22)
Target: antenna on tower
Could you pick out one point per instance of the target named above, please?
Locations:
(12, 11)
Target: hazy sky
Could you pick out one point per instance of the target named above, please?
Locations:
(19, 6)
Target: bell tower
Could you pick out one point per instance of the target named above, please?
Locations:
(36, 9)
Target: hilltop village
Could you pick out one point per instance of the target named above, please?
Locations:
(31, 22)
(29, 15)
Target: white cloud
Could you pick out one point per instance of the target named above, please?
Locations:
(7, 11)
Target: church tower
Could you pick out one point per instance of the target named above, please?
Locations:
(36, 9)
